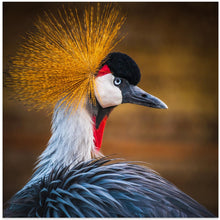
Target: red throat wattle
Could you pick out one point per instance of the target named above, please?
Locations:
(98, 132)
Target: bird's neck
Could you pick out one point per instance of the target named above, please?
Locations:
(76, 136)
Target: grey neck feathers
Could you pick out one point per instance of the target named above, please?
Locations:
(71, 140)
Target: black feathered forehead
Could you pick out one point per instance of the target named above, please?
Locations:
(121, 65)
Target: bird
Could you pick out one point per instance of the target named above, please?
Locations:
(69, 64)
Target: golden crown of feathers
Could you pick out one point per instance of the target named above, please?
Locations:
(58, 62)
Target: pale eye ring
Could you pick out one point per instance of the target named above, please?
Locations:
(117, 81)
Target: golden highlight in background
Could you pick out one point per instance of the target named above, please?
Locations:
(59, 60)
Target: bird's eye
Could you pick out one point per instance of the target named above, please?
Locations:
(117, 81)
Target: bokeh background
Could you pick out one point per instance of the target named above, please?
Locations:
(176, 48)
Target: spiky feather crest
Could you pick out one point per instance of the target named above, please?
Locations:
(58, 62)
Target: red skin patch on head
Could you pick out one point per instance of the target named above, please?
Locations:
(98, 133)
(104, 70)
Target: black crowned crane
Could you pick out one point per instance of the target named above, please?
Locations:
(70, 64)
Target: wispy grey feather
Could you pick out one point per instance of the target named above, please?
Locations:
(103, 188)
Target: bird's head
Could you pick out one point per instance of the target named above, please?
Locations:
(116, 84)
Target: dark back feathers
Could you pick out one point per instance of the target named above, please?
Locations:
(103, 188)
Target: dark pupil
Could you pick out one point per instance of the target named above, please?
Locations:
(117, 81)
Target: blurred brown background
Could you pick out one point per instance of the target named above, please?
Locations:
(175, 46)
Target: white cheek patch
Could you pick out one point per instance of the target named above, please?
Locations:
(106, 92)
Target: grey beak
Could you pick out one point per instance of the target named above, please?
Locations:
(135, 95)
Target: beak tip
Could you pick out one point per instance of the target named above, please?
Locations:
(164, 106)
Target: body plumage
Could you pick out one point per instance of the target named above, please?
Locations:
(104, 188)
